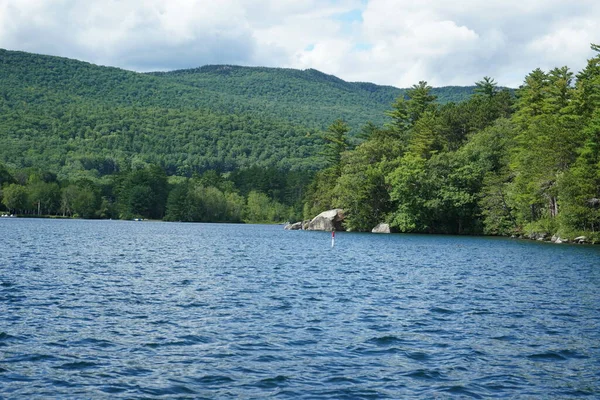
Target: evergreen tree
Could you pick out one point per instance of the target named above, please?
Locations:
(580, 186)
(336, 142)
(421, 100)
(588, 86)
(487, 87)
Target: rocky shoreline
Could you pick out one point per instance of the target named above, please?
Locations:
(545, 237)
(332, 220)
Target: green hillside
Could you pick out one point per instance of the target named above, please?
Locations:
(307, 97)
(78, 119)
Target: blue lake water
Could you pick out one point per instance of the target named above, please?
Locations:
(119, 309)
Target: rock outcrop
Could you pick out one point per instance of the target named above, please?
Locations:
(580, 239)
(541, 236)
(327, 221)
(293, 227)
(381, 228)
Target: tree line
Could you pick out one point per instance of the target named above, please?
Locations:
(255, 195)
(496, 164)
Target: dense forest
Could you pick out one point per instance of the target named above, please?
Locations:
(79, 119)
(258, 195)
(495, 164)
(235, 144)
(217, 143)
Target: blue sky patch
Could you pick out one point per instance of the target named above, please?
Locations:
(349, 17)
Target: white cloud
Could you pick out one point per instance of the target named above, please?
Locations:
(396, 42)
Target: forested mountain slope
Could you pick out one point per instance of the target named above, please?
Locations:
(307, 97)
(73, 117)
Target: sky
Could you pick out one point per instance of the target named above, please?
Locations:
(388, 42)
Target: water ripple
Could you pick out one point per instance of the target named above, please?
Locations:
(117, 309)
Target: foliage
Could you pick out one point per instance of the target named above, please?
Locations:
(361, 190)
(336, 142)
(320, 195)
(14, 197)
(491, 164)
(146, 193)
(83, 121)
(261, 209)
(580, 186)
(236, 144)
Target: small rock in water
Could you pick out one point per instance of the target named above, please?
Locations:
(381, 228)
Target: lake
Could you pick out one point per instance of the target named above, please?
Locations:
(123, 309)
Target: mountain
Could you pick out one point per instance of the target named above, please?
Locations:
(306, 97)
(76, 118)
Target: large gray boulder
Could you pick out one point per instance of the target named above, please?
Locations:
(327, 221)
(382, 228)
